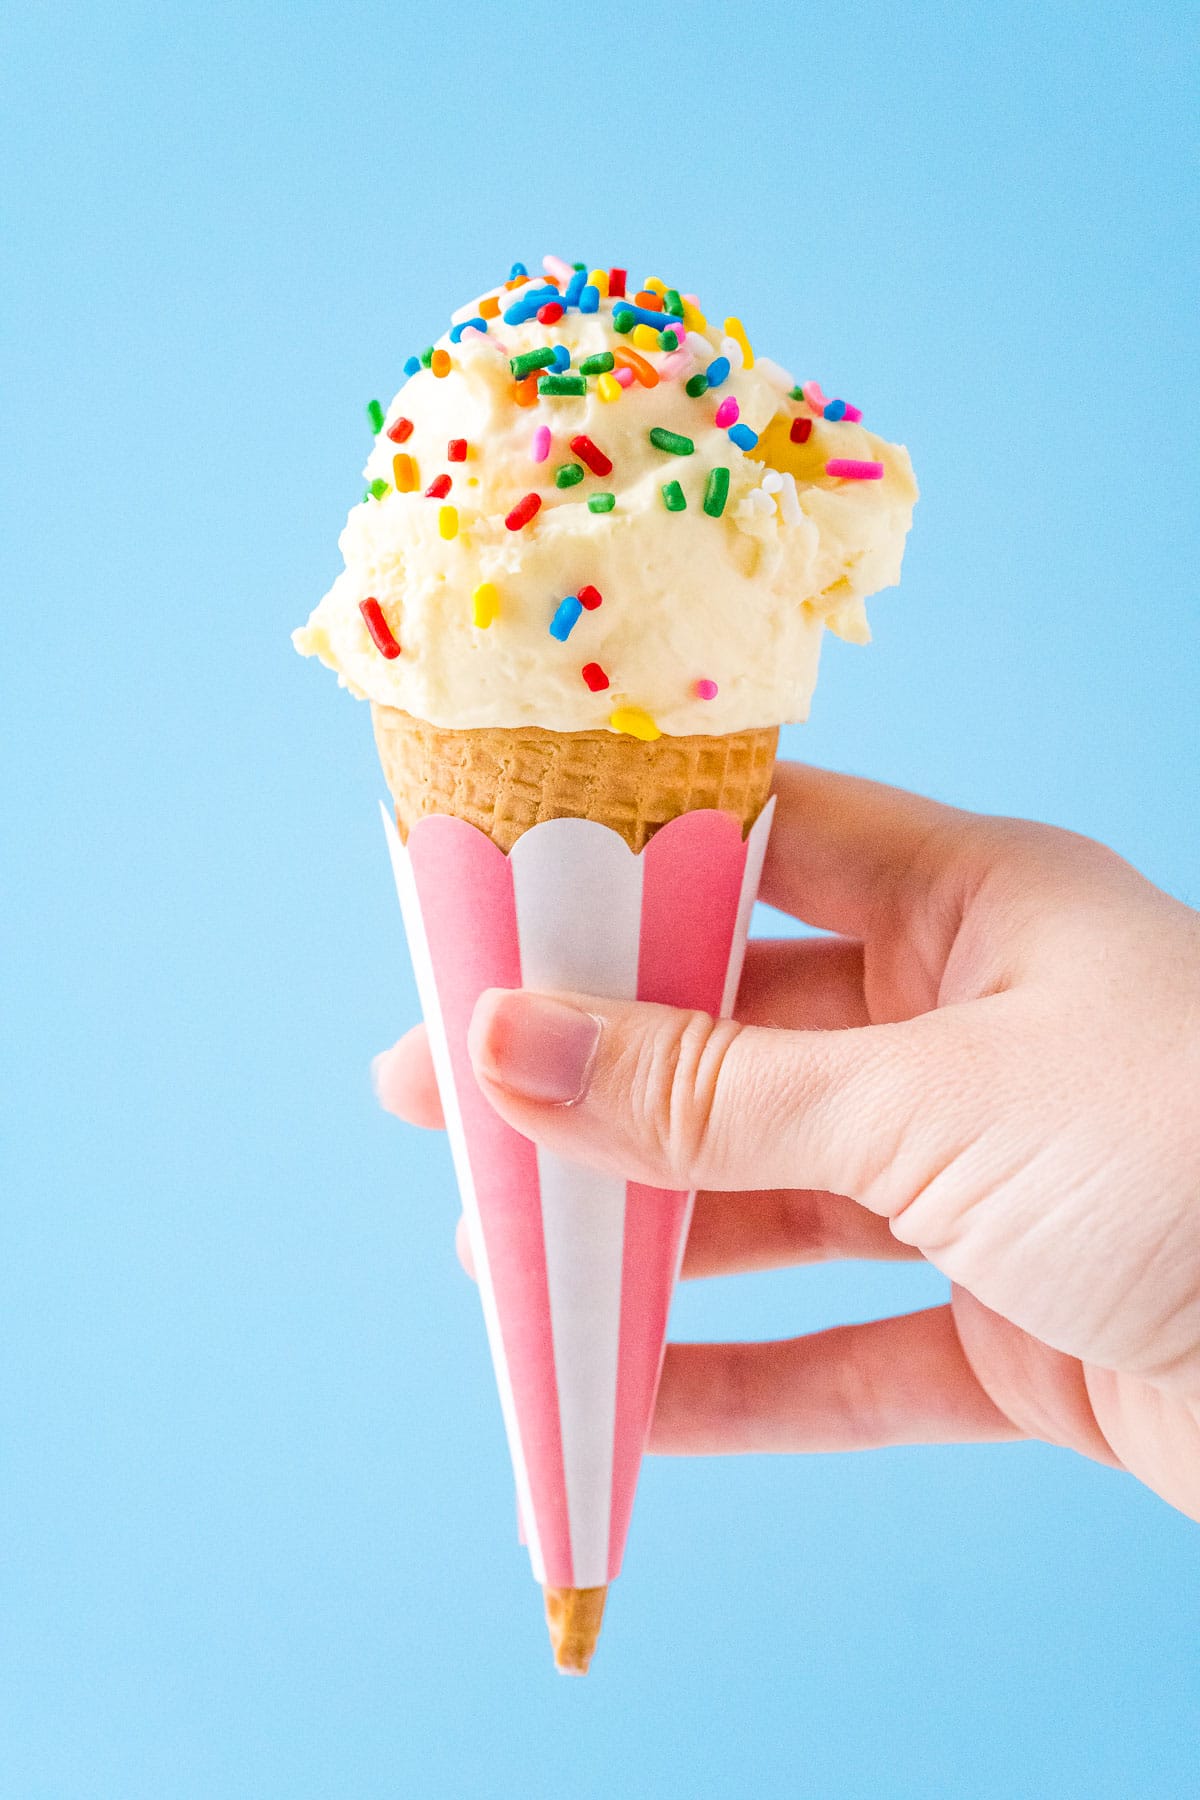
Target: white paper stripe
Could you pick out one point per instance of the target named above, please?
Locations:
(579, 911)
(756, 849)
(422, 962)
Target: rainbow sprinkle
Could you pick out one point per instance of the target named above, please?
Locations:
(380, 630)
(567, 615)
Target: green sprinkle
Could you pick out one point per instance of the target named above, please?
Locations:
(377, 489)
(623, 320)
(796, 394)
(582, 266)
(427, 356)
(375, 414)
(716, 493)
(696, 385)
(597, 365)
(673, 303)
(562, 384)
(673, 498)
(568, 475)
(667, 340)
(672, 441)
(522, 366)
(601, 502)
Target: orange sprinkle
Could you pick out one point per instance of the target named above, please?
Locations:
(490, 308)
(525, 392)
(404, 473)
(440, 362)
(649, 299)
(630, 359)
(516, 282)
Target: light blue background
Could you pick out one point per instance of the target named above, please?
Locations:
(257, 1523)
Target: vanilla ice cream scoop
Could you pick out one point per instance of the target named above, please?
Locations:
(589, 507)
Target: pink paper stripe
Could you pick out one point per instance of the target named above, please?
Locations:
(691, 886)
(654, 1223)
(466, 893)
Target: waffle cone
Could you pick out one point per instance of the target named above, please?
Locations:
(573, 1617)
(505, 780)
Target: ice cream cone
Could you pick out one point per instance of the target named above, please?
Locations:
(505, 780)
(573, 1617)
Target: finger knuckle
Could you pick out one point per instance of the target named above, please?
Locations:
(681, 1081)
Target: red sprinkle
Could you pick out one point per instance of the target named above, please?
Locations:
(456, 450)
(589, 597)
(550, 313)
(401, 431)
(379, 629)
(591, 454)
(438, 488)
(616, 284)
(523, 511)
(801, 431)
(595, 677)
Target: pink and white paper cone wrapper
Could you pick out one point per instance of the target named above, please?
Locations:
(575, 1268)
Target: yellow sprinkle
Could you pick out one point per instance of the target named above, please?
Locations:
(634, 723)
(485, 604)
(599, 279)
(693, 318)
(404, 472)
(608, 387)
(448, 521)
(440, 363)
(736, 330)
(645, 337)
(653, 285)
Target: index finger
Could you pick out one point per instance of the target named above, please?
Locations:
(841, 848)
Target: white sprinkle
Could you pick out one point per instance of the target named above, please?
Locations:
(700, 346)
(789, 501)
(733, 350)
(772, 481)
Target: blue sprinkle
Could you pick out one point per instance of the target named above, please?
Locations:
(456, 331)
(835, 410)
(717, 371)
(527, 302)
(412, 365)
(575, 287)
(589, 299)
(565, 619)
(743, 437)
(517, 269)
(562, 360)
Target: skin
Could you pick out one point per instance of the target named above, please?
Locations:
(992, 1062)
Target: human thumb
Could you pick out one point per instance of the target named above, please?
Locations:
(678, 1099)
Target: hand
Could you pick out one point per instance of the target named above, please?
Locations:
(994, 1065)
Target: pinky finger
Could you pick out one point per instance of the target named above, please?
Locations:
(903, 1380)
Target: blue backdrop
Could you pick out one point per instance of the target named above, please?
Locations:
(257, 1519)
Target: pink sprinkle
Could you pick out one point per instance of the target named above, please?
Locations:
(812, 393)
(554, 265)
(706, 690)
(540, 448)
(852, 414)
(727, 412)
(623, 375)
(691, 298)
(676, 362)
(482, 337)
(850, 470)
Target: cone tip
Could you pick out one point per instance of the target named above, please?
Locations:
(573, 1618)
